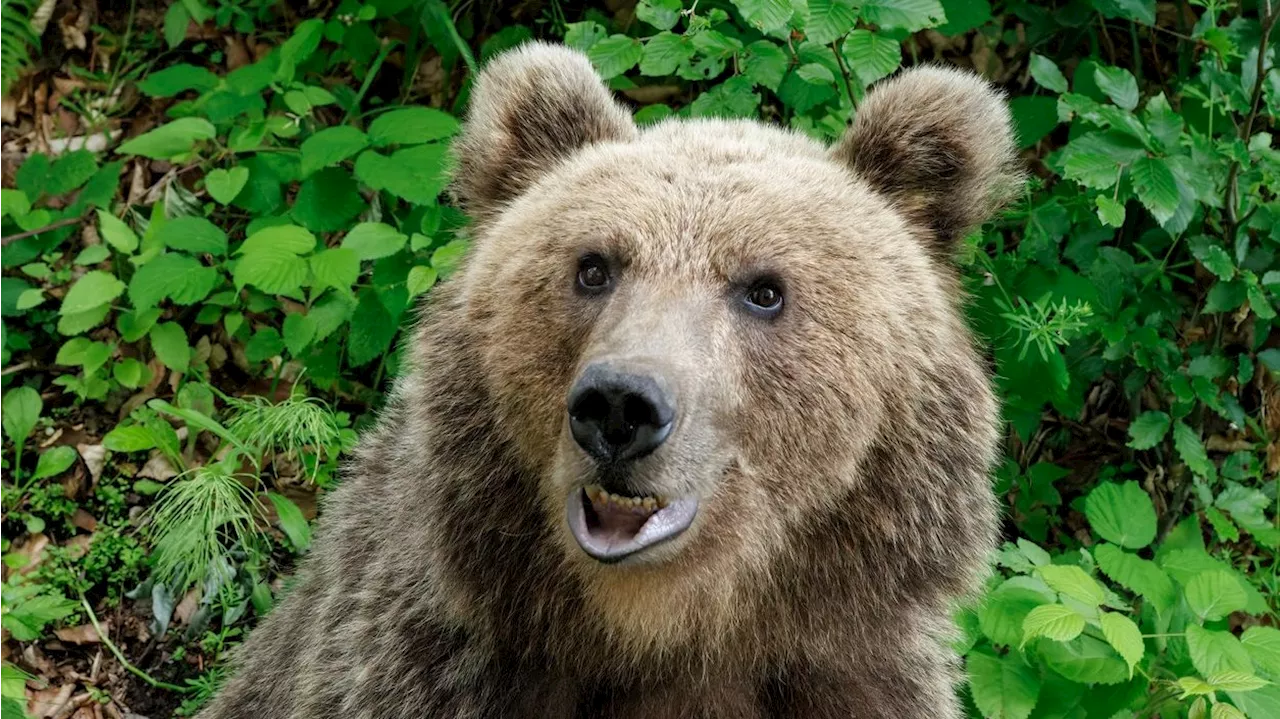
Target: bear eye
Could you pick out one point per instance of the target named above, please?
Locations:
(593, 274)
(764, 298)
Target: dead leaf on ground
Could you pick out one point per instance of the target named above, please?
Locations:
(43, 703)
(157, 468)
(83, 634)
(84, 520)
(95, 458)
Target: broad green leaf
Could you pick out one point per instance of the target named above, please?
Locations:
(871, 56)
(1235, 681)
(765, 15)
(225, 185)
(1125, 636)
(663, 53)
(1072, 581)
(1002, 687)
(300, 46)
(582, 35)
(1260, 703)
(1156, 186)
(1093, 170)
(133, 326)
(1263, 645)
(1213, 256)
(1195, 686)
(297, 331)
(274, 270)
(1148, 429)
(289, 238)
(731, 98)
(20, 412)
(330, 146)
(372, 329)
(129, 438)
(337, 267)
(615, 55)
(1119, 85)
(1110, 212)
(32, 298)
(130, 372)
(421, 278)
(830, 20)
(171, 140)
(263, 345)
(417, 174)
(54, 461)
(1214, 595)
(171, 276)
(92, 255)
(77, 322)
(1138, 575)
(193, 234)
(1122, 513)
(374, 240)
(1085, 660)
(1003, 611)
(292, 522)
(175, 79)
(1214, 651)
(1191, 449)
(764, 63)
(116, 233)
(411, 126)
(1054, 621)
(94, 289)
(662, 14)
(910, 15)
(1034, 117)
(170, 344)
(1046, 73)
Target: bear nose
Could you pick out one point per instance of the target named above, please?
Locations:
(617, 416)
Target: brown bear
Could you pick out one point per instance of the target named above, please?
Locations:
(698, 430)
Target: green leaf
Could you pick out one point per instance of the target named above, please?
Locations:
(765, 15)
(764, 63)
(298, 330)
(662, 14)
(292, 522)
(55, 461)
(193, 234)
(1148, 429)
(1072, 581)
(372, 329)
(271, 262)
(174, 79)
(131, 373)
(1047, 74)
(170, 344)
(1110, 212)
(374, 240)
(663, 53)
(829, 20)
(871, 56)
(1122, 514)
(92, 255)
(1091, 169)
(170, 141)
(265, 344)
(1084, 660)
(330, 146)
(133, 326)
(1034, 117)
(1119, 84)
(116, 233)
(910, 15)
(1191, 449)
(417, 174)
(1156, 186)
(224, 185)
(615, 55)
(1213, 651)
(1054, 621)
(300, 46)
(731, 98)
(290, 238)
(1235, 681)
(963, 16)
(582, 35)
(337, 267)
(94, 289)
(19, 413)
(1213, 256)
(31, 298)
(420, 280)
(77, 322)
(129, 438)
(1263, 645)
(1125, 636)
(171, 275)
(1005, 609)
(1002, 687)
(176, 21)
(1215, 594)
(411, 126)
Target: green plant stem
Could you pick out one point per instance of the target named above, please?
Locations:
(844, 72)
(102, 635)
(1255, 104)
(368, 79)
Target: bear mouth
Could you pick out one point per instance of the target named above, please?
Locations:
(610, 527)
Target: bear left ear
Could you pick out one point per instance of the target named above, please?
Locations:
(939, 143)
(531, 108)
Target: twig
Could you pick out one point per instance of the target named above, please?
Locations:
(844, 71)
(64, 222)
(93, 619)
(1233, 175)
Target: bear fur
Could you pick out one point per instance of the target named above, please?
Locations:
(840, 450)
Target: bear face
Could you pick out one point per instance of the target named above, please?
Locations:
(705, 337)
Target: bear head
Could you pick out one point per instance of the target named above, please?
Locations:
(720, 345)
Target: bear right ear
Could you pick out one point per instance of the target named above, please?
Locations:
(531, 108)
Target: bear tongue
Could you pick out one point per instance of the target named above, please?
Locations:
(615, 523)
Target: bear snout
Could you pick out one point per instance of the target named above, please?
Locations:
(617, 415)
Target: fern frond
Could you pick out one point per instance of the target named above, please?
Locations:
(16, 39)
